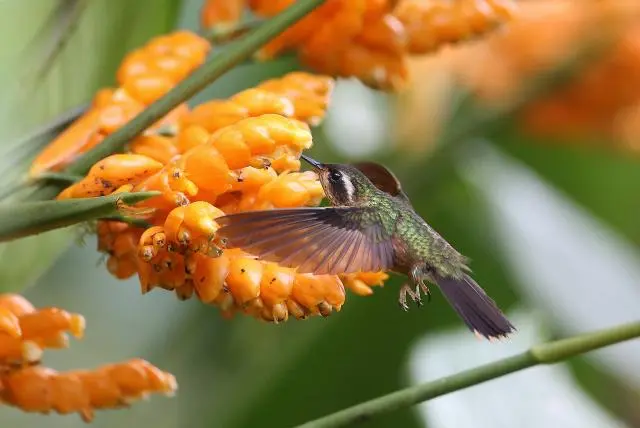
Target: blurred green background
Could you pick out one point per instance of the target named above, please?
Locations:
(551, 230)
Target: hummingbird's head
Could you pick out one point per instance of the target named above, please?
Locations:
(344, 185)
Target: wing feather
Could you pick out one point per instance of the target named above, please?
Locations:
(356, 248)
(341, 256)
(281, 246)
(326, 244)
(313, 240)
(271, 234)
(325, 261)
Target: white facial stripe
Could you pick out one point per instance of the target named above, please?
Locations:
(348, 187)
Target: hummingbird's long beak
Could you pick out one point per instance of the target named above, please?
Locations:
(314, 163)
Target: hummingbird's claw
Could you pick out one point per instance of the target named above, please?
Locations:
(414, 293)
(402, 299)
(425, 290)
(417, 297)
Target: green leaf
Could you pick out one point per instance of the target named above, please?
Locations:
(79, 47)
(31, 218)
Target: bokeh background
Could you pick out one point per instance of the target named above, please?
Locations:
(520, 149)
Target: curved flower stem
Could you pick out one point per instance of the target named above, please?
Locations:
(58, 176)
(547, 353)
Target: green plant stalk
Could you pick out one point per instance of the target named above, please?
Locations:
(62, 177)
(546, 353)
(136, 222)
(226, 33)
(194, 83)
(31, 218)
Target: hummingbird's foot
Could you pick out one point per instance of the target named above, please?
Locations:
(417, 275)
(414, 294)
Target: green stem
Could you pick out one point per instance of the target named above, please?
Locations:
(547, 353)
(197, 81)
(228, 33)
(31, 218)
(137, 222)
(57, 176)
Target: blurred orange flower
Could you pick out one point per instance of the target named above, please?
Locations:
(26, 331)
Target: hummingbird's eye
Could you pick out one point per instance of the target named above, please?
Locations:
(335, 176)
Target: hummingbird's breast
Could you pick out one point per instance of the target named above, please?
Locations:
(409, 242)
(402, 259)
(416, 242)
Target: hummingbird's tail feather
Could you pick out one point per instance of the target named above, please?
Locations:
(478, 311)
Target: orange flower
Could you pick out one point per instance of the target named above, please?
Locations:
(598, 100)
(110, 173)
(43, 390)
(239, 283)
(297, 95)
(361, 282)
(221, 14)
(431, 24)
(156, 147)
(26, 331)
(373, 39)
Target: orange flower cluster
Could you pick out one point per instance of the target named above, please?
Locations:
(522, 51)
(227, 156)
(144, 76)
(24, 383)
(600, 98)
(25, 332)
(369, 39)
(431, 24)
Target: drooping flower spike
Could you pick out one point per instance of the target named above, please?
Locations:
(25, 332)
(370, 40)
(224, 156)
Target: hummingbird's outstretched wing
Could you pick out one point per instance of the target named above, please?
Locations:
(314, 240)
(383, 179)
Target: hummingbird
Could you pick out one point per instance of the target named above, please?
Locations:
(370, 226)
